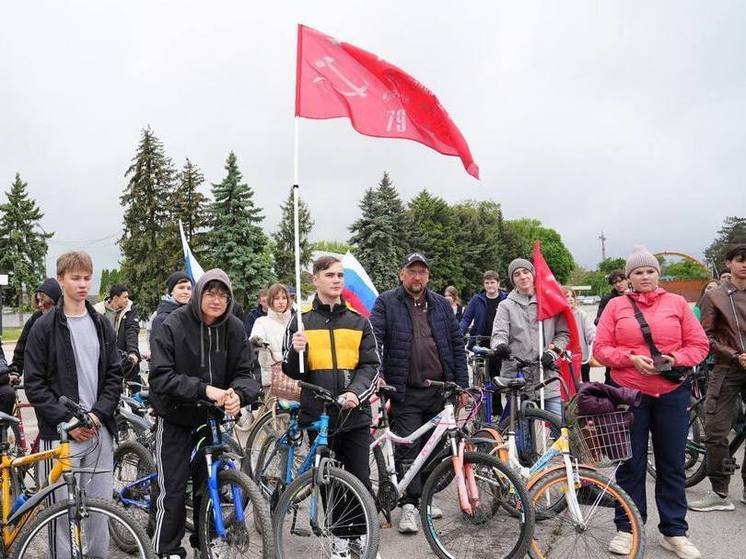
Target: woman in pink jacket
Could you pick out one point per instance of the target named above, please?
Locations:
(681, 342)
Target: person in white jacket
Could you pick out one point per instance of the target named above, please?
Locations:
(268, 332)
(587, 331)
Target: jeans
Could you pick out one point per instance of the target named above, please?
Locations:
(667, 419)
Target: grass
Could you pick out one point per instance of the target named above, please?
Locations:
(11, 334)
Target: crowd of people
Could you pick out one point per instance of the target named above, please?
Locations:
(203, 347)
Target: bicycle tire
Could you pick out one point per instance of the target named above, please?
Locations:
(302, 488)
(695, 464)
(132, 454)
(484, 529)
(24, 546)
(254, 508)
(551, 526)
(528, 451)
(257, 433)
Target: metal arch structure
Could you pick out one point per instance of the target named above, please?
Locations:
(683, 255)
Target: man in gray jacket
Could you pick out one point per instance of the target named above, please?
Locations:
(516, 332)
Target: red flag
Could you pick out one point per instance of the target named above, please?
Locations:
(551, 301)
(335, 79)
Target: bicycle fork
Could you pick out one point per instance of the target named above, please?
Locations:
(468, 493)
(74, 515)
(217, 510)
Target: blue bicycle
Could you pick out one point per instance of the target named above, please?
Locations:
(320, 510)
(235, 520)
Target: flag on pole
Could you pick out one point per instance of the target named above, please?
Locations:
(336, 79)
(551, 302)
(193, 269)
(359, 291)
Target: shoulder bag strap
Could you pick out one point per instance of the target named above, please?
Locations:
(646, 333)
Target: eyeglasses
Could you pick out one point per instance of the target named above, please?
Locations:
(217, 295)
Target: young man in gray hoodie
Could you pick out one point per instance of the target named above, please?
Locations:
(516, 332)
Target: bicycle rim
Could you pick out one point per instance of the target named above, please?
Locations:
(557, 534)
(34, 540)
(500, 524)
(265, 426)
(314, 521)
(131, 463)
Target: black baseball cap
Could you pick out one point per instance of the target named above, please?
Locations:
(412, 258)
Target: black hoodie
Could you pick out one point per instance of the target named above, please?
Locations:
(187, 356)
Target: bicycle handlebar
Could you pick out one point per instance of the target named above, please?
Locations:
(79, 413)
(444, 386)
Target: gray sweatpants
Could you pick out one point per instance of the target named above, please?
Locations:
(94, 453)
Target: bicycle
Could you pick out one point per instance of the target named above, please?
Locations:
(26, 477)
(324, 509)
(232, 505)
(575, 504)
(484, 504)
(27, 524)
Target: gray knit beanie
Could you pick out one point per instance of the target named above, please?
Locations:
(641, 257)
(519, 263)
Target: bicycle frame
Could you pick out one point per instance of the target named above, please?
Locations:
(444, 422)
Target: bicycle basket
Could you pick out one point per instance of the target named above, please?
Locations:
(602, 440)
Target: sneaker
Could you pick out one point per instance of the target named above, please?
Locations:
(621, 544)
(681, 546)
(712, 501)
(340, 548)
(743, 495)
(408, 520)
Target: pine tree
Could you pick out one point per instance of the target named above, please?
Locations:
(237, 243)
(732, 232)
(380, 235)
(284, 239)
(150, 249)
(23, 244)
(433, 233)
(190, 206)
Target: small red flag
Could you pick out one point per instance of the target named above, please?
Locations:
(336, 79)
(551, 301)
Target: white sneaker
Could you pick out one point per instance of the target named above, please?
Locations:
(681, 546)
(340, 548)
(621, 544)
(408, 520)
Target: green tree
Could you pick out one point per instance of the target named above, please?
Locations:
(433, 233)
(732, 232)
(149, 253)
(686, 269)
(109, 278)
(379, 236)
(338, 247)
(612, 265)
(190, 206)
(23, 243)
(284, 238)
(555, 252)
(238, 243)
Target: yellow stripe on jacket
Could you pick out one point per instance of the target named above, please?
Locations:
(346, 344)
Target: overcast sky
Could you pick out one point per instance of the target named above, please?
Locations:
(626, 117)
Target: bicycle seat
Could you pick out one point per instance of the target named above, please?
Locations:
(388, 389)
(509, 383)
(6, 419)
(143, 395)
(479, 350)
(289, 405)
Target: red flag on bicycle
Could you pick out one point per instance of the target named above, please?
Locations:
(551, 301)
(336, 79)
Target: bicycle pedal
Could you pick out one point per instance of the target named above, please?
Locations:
(301, 532)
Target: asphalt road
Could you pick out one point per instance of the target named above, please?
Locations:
(719, 535)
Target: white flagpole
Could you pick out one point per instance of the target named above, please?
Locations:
(541, 367)
(296, 187)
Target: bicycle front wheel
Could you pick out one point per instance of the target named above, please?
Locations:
(336, 517)
(133, 466)
(250, 537)
(559, 533)
(270, 425)
(53, 525)
(500, 523)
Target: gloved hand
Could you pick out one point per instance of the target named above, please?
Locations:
(548, 360)
(502, 351)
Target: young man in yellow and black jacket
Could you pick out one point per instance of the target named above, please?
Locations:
(340, 355)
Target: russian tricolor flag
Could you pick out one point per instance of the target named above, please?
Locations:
(359, 292)
(192, 267)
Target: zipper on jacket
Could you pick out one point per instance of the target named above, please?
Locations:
(209, 353)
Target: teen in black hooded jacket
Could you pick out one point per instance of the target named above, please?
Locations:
(200, 353)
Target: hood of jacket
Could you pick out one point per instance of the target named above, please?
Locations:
(646, 299)
(199, 289)
(168, 304)
(521, 299)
